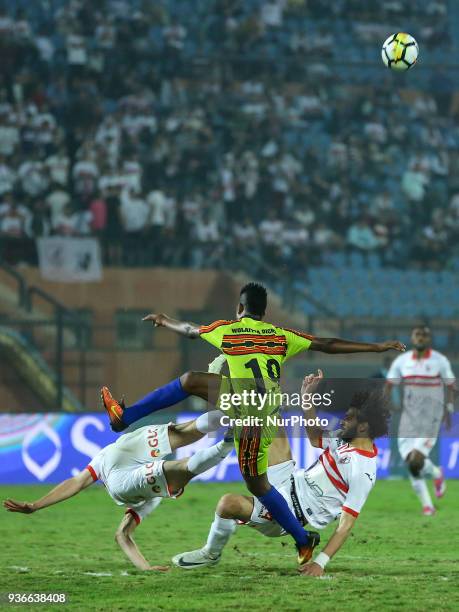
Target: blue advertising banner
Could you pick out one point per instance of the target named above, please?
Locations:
(47, 448)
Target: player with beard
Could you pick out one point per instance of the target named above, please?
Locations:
(428, 387)
(337, 485)
(255, 351)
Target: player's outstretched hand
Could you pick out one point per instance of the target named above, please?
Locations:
(311, 382)
(390, 345)
(157, 319)
(159, 568)
(15, 506)
(311, 569)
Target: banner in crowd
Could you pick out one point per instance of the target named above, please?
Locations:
(70, 260)
(47, 448)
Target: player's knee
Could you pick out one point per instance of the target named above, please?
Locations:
(229, 506)
(189, 381)
(415, 464)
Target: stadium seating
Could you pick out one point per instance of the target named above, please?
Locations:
(214, 132)
(354, 291)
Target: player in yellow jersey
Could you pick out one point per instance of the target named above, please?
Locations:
(255, 351)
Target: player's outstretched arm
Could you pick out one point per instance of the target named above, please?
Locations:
(184, 328)
(336, 345)
(123, 538)
(340, 535)
(309, 386)
(64, 490)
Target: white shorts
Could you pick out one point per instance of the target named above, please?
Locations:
(260, 519)
(423, 445)
(155, 480)
(134, 468)
(142, 445)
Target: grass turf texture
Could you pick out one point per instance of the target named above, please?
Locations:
(396, 558)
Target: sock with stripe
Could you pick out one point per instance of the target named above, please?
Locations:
(160, 398)
(280, 511)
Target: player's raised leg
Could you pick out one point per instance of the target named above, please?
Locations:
(182, 434)
(200, 384)
(179, 473)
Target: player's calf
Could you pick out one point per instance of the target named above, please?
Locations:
(179, 473)
(182, 434)
(163, 397)
(230, 508)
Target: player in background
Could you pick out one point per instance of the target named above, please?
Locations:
(136, 475)
(423, 374)
(336, 485)
(255, 351)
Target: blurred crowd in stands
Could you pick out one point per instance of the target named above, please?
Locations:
(193, 133)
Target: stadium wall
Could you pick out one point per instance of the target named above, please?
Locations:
(202, 296)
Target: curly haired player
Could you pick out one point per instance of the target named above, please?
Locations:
(255, 351)
(335, 486)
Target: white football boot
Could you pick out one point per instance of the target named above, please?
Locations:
(195, 559)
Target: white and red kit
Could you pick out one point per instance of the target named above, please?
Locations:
(132, 469)
(339, 481)
(423, 380)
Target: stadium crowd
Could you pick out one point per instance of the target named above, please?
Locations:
(140, 124)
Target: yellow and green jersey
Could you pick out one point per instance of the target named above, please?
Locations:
(255, 349)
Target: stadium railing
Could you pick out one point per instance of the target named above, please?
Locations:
(38, 329)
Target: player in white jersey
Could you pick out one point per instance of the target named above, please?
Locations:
(335, 486)
(423, 374)
(136, 475)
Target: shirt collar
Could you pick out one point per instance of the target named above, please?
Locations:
(425, 355)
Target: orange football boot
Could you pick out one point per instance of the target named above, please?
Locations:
(114, 409)
(305, 552)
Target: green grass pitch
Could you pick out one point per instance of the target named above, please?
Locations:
(396, 558)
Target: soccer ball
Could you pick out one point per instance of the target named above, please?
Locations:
(400, 51)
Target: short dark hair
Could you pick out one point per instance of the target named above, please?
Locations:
(256, 298)
(372, 407)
